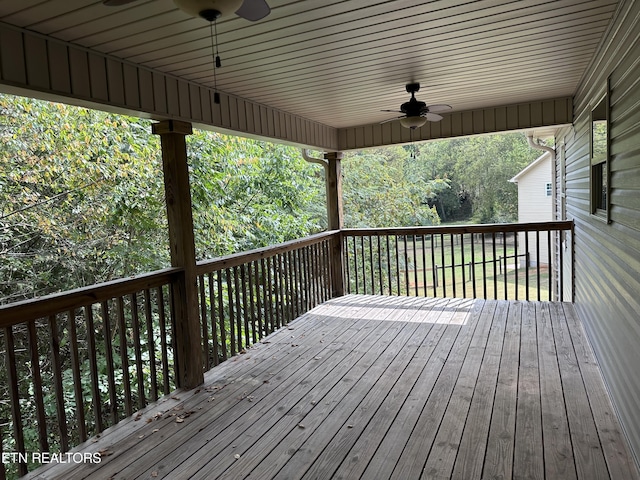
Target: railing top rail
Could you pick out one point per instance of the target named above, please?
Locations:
(26, 310)
(460, 229)
(229, 261)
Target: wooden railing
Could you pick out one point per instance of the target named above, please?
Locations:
(510, 261)
(80, 361)
(246, 296)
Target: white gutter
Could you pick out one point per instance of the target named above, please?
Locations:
(320, 161)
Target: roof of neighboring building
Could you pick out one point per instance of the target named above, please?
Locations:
(542, 158)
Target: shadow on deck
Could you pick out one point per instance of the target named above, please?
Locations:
(385, 387)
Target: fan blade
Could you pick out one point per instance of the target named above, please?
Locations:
(392, 111)
(253, 10)
(439, 108)
(433, 117)
(392, 119)
(116, 3)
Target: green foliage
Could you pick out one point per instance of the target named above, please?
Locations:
(383, 188)
(249, 194)
(81, 200)
(82, 197)
(479, 169)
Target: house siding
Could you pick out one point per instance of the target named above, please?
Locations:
(535, 206)
(607, 255)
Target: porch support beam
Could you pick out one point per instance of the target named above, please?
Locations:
(503, 118)
(335, 216)
(189, 371)
(42, 67)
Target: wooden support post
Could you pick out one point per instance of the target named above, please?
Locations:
(180, 219)
(335, 219)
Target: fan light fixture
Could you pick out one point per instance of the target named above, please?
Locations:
(417, 113)
(197, 8)
(211, 10)
(413, 122)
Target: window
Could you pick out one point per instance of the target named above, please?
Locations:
(548, 190)
(600, 158)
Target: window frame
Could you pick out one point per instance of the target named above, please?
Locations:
(600, 166)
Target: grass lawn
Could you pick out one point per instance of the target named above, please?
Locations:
(456, 269)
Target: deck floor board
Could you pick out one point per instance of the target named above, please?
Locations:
(385, 387)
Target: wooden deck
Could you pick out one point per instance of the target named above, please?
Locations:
(385, 387)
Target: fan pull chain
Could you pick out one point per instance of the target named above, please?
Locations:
(216, 59)
(413, 149)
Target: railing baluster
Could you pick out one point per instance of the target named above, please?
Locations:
(295, 285)
(221, 317)
(504, 253)
(560, 268)
(364, 267)
(389, 265)
(415, 264)
(472, 271)
(495, 270)
(515, 263)
(434, 267)
(266, 295)
(151, 345)
(34, 357)
(538, 285)
(453, 264)
(14, 394)
(77, 381)
(174, 329)
(288, 281)
(204, 323)
(315, 286)
(397, 241)
(406, 265)
(462, 259)
(93, 367)
(424, 266)
(252, 299)
(526, 263)
(162, 320)
(238, 307)
(124, 357)
(326, 286)
(232, 313)
(135, 321)
(111, 379)
(484, 266)
(380, 275)
(373, 280)
(245, 306)
(214, 322)
(259, 269)
(444, 276)
(549, 263)
(56, 367)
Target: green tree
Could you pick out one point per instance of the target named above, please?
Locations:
(81, 200)
(82, 196)
(383, 188)
(479, 169)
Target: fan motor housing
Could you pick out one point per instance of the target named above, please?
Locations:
(413, 107)
(412, 87)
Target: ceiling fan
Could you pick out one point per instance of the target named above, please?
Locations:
(212, 9)
(417, 113)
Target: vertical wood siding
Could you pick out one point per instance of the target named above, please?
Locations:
(61, 71)
(608, 255)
